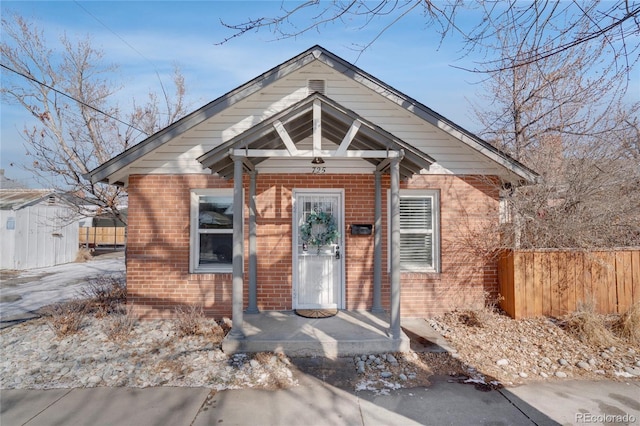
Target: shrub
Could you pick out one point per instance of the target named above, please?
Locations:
(106, 293)
(189, 320)
(65, 318)
(118, 326)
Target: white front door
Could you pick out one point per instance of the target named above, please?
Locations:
(318, 249)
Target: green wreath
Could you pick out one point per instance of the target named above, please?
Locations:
(324, 235)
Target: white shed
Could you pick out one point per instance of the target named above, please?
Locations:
(37, 229)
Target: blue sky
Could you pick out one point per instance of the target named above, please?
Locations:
(146, 38)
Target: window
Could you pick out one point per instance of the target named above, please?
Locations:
(211, 230)
(419, 225)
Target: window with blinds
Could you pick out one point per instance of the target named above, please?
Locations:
(418, 231)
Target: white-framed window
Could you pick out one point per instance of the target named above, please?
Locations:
(211, 230)
(419, 230)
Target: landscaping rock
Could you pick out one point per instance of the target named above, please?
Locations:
(584, 365)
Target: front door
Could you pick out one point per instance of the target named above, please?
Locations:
(318, 260)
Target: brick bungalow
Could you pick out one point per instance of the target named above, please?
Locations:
(312, 186)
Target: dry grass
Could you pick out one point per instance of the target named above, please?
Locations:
(627, 326)
(191, 321)
(65, 318)
(217, 333)
(589, 327)
(83, 255)
(478, 317)
(118, 326)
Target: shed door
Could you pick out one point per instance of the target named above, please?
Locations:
(318, 281)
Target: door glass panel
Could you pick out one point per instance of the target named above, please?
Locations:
(319, 266)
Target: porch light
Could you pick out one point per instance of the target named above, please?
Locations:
(317, 160)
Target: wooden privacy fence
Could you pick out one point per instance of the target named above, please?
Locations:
(102, 236)
(554, 282)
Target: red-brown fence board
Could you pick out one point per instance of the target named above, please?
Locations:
(555, 282)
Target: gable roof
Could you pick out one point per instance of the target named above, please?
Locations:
(15, 199)
(126, 158)
(298, 122)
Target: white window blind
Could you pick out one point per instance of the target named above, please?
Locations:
(416, 232)
(419, 227)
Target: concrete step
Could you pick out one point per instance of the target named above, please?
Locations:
(345, 334)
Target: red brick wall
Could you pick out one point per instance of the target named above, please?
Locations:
(158, 276)
(468, 217)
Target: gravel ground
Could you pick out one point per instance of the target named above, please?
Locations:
(492, 350)
(515, 352)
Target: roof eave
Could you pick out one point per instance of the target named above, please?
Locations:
(102, 172)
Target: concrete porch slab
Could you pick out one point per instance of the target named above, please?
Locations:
(347, 333)
(423, 337)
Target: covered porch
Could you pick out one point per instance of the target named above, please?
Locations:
(315, 120)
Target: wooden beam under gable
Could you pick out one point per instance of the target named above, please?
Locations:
(317, 126)
(284, 135)
(279, 153)
(348, 137)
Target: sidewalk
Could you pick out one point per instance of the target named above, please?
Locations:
(315, 402)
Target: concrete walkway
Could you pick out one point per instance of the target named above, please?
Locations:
(315, 402)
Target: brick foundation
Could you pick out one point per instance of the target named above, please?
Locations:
(158, 278)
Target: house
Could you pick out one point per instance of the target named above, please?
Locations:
(37, 227)
(313, 186)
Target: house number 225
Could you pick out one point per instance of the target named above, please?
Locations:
(318, 170)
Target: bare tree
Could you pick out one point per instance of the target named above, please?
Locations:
(556, 76)
(566, 117)
(575, 22)
(79, 126)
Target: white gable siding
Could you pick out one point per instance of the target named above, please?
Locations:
(179, 155)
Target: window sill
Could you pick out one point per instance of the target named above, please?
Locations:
(201, 271)
(420, 271)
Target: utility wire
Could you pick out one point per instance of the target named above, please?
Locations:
(28, 77)
(164, 92)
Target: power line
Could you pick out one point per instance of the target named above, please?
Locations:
(127, 43)
(28, 77)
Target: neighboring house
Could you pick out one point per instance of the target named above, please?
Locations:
(277, 196)
(38, 228)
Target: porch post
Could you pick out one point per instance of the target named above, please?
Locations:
(395, 248)
(253, 260)
(238, 252)
(377, 246)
